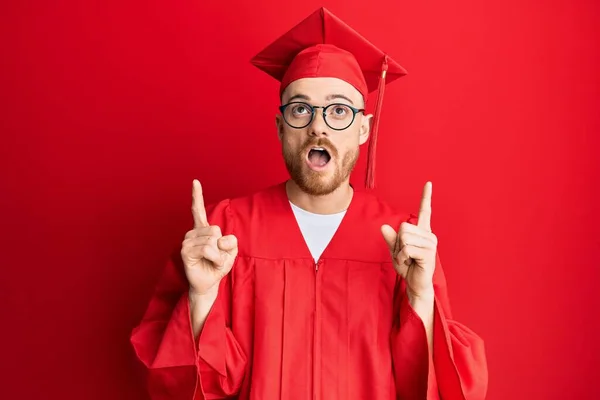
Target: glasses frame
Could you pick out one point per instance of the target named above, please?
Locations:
(312, 108)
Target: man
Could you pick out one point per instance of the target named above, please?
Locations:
(305, 290)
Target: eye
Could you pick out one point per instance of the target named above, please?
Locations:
(300, 109)
(340, 111)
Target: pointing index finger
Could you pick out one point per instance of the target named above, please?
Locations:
(198, 210)
(425, 209)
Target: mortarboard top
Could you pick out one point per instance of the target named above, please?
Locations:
(322, 45)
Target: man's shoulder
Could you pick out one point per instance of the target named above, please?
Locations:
(259, 196)
(252, 200)
(245, 214)
(373, 205)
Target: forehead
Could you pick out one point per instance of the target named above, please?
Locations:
(319, 88)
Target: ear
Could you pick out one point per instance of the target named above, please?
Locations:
(279, 124)
(365, 129)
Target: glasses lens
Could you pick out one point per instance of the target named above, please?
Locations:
(298, 115)
(339, 116)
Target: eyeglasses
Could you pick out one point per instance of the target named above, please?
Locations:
(337, 116)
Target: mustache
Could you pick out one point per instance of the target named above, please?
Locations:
(320, 142)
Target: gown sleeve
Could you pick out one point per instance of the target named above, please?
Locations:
(177, 366)
(457, 369)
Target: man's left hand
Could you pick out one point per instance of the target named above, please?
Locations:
(413, 249)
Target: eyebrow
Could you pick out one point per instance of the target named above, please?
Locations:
(330, 97)
(339, 96)
(299, 96)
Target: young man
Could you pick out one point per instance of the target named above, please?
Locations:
(305, 290)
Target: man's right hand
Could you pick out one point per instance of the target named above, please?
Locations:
(207, 255)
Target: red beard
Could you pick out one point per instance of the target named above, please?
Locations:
(318, 183)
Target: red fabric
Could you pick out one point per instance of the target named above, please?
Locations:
(345, 50)
(282, 328)
(325, 60)
(371, 160)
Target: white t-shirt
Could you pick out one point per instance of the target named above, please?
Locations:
(317, 229)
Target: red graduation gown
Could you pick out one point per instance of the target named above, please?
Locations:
(285, 327)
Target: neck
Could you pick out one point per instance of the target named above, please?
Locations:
(334, 202)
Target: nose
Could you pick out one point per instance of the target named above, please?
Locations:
(318, 127)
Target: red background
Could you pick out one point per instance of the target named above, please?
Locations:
(109, 111)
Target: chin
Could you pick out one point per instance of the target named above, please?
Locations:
(318, 183)
(316, 189)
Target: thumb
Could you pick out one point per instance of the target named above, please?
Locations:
(389, 235)
(228, 243)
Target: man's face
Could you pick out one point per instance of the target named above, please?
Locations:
(319, 158)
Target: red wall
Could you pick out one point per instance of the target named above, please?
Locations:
(109, 111)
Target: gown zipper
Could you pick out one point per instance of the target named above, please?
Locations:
(317, 334)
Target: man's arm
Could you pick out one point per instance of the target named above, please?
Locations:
(185, 340)
(424, 308)
(433, 355)
(435, 358)
(200, 306)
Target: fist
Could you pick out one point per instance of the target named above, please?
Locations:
(207, 255)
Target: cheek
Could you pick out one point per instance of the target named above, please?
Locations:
(290, 140)
(294, 136)
(285, 135)
(350, 142)
(344, 150)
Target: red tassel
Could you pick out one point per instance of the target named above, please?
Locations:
(370, 179)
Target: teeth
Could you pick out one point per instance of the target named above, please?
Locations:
(318, 148)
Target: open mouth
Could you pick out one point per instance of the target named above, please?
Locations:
(318, 157)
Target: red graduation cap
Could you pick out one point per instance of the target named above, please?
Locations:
(322, 45)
